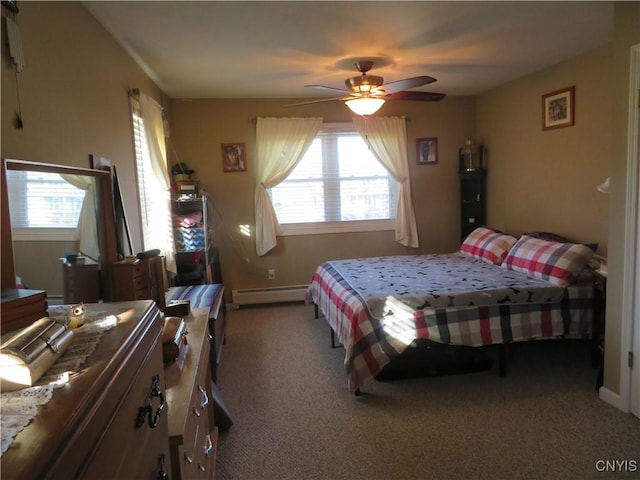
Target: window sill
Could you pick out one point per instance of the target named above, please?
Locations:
(44, 234)
(318, 228)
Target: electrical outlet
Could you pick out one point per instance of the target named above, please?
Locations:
(271, 273)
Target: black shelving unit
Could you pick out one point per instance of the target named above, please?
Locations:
(472, 175)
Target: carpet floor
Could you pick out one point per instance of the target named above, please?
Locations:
(294, 418)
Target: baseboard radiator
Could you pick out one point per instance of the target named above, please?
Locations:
(253, 296)
(55, 299)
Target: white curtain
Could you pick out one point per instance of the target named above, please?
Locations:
(151, 113)
(387, 138)
(87, 229)
(280, 144)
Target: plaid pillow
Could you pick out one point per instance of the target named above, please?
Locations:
(555, 262)
(487, 245)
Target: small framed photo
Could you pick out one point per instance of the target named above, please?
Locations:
(558, 109)
(427, 151)
(234, 157)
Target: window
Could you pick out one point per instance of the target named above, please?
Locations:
(43, 206)
(154, 197)
(338, 186)
(153, 194)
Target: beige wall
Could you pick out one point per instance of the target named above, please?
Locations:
(546, 180)
(42, 270)
(199, 127)
(74, 102)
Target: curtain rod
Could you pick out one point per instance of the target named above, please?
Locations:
(254, 120)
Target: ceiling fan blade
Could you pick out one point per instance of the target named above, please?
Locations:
(408, 83)
(341, 90)
(321, 100)
(416, 96)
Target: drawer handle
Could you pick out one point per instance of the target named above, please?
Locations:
(196, 412)
(208, 444)
(188, 458)
(205, 398)
(162, 475)
(200, 467)
(146, 409)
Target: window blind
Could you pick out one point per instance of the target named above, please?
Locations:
(154, 199)
(145, 177)
(43, 206)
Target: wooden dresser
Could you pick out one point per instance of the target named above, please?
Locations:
(81, 282)
(92, 427)
(139, 280)
(20, 307)
(192, 433)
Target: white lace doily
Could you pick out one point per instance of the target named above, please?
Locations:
(18, 408)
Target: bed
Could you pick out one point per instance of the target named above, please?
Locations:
(495, 290)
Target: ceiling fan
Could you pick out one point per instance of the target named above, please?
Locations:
(365, 94)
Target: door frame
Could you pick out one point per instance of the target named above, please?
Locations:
(634, 159)
(628, 400)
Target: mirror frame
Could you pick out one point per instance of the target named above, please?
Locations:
(106, 220)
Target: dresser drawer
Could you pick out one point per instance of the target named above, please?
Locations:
(197, 451)
(140, 283)
(191, 423)
(139, 270)
(203, 442)
(130, 449)
(141, 290)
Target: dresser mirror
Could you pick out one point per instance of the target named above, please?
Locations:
(34, 254)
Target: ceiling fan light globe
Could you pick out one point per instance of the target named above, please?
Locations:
(365, 105)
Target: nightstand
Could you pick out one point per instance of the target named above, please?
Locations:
(599, 322)
(139, 280)
(81, 282)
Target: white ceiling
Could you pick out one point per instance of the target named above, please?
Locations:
(240, 49)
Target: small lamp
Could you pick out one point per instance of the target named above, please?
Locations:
(365, 105)
(604, 186)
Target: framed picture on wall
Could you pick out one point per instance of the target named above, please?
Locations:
(234, 157)
(427, 151)
(558, 109)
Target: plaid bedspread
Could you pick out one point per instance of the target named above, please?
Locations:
(378, 306)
